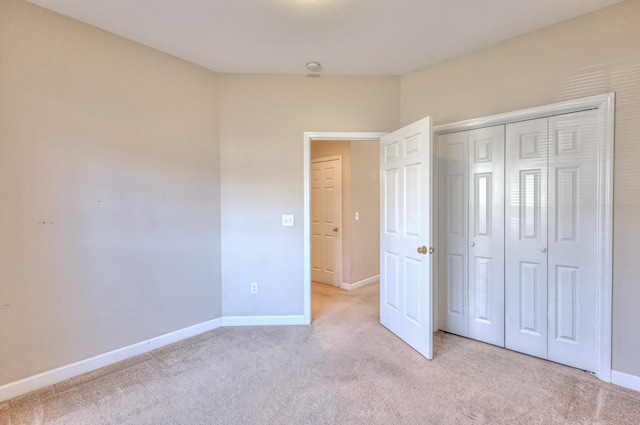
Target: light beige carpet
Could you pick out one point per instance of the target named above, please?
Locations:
(344, 369)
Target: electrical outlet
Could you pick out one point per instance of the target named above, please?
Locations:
(287, 220)
(254, 288)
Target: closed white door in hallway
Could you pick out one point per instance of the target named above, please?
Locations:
(326, 220)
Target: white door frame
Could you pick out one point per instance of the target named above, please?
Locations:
(306, 161)
(605, 105)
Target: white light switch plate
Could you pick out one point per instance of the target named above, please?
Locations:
(287, 220)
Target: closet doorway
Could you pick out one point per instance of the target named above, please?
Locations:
(525, 238)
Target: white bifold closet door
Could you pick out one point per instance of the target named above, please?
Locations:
(518, 236)
(551, 238)
(453, 212)
(526, 237)
(471, 269)
(486, 234)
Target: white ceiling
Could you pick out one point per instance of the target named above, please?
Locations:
(357, 37)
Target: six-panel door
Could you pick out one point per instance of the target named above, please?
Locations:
(405, 235)
(471, 241)
(526, 237)
(486, 234)
(326, 221)
(453, 241)
(518, 231)
(573, 232)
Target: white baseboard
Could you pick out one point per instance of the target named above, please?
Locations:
(263, 320)
(54, 376)
(625, 380)
(360, 284)
(51, 377)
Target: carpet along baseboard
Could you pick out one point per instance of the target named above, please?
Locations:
(360, 284)
(51, 377)
(60, 374)
(262, 320)
(625, 380)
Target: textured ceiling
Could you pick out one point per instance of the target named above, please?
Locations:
(356, 37)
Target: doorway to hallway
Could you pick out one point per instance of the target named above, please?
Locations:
(356, 227)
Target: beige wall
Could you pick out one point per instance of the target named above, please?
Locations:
(365, 199)
(262, 122)
(593, 54)
(360, 193)
(109, 218)
(111, 160)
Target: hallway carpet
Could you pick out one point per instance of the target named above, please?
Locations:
(344, 369)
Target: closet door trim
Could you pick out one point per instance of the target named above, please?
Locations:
(605, 105)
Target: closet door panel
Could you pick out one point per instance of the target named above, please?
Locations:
(453, 218)
(573, 273)
(486, 234)
(526, 237)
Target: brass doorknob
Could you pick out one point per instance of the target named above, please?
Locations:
(335, 229)
(422, 250)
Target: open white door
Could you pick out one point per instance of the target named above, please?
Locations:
(406, 293)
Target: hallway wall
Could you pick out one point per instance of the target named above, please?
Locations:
(361, 194)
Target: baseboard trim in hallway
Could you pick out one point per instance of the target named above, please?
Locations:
(360, 284)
